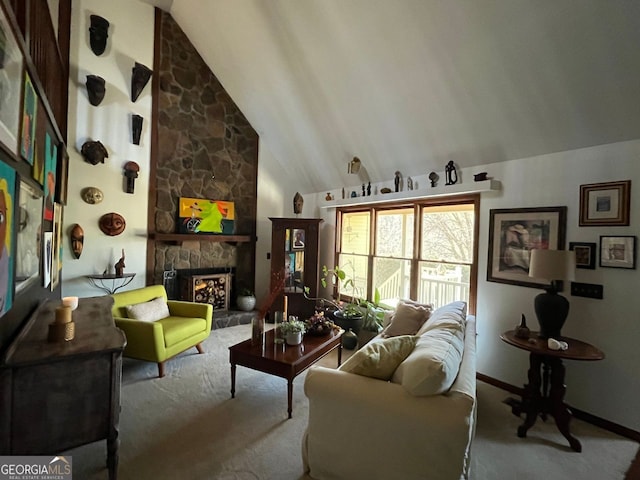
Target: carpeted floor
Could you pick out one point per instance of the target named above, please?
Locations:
(186, 425)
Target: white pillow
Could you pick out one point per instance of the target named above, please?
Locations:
(433, 365)
(452, 315)
(150, 311)
(407, 319)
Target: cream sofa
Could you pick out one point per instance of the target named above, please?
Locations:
(367, 428)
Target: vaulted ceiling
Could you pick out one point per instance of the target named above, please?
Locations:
(410, 84)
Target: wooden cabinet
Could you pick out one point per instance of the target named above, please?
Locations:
(294, 257)
(57, 396)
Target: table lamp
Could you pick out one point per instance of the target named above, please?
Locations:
(550, 307)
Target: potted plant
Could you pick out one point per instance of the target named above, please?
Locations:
(246, 300)
(292, 331)
(349, 314)
(373, 319)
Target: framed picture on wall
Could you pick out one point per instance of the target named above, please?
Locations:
(618, 252)
(513, 233)
(7, 201)
(11, 65)
(585, 254)
(29, 114)
(28, 238)
(605, 204)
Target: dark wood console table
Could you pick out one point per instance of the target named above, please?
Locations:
(544, 394)
(57, 396)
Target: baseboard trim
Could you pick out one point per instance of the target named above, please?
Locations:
(580, 414)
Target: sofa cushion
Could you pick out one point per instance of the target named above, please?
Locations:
(452, 315)
(150, 311)
(379, 359)
(433, 365)
(409, 316)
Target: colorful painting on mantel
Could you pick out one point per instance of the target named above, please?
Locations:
(7, 196)
(29, 111)
(211, 217)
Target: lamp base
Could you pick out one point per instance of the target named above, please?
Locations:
(552, 310)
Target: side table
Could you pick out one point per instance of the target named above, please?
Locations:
(117, 282)
(544, 394)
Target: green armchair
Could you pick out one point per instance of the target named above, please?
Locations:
(187, 325)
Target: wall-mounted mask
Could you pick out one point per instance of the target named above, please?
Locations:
(131, 170)
(298, 201)
(112, 224)
(92, 195)
(77, 240)
(98, 33)
(94, 152)
(140, 75)
(136, 128)
(96, 89)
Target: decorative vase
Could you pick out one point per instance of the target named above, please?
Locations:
(349, 340)
(294, 338)
(246, 303)
(522, 331)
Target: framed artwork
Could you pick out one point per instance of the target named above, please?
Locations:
(513, 233)
(297, 240)
(7, 196)
(585, 254)
(29, 226)
(56, 258)
(618, 252)
(210, 217)
(605, 204)
(62, 175)
(11, 64)
(47, 256)
(287, 239)
(50, 164)
(29, 110)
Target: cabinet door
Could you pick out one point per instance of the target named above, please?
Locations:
(294, 258)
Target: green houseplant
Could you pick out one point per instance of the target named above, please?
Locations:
(293, 331)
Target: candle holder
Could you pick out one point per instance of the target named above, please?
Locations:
(63, 329)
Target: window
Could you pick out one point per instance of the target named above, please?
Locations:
(424, 250)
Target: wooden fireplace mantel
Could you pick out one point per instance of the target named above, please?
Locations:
(179, 238)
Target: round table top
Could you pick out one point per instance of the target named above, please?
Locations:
(577, 350)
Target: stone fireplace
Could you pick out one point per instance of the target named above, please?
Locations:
(204, 148)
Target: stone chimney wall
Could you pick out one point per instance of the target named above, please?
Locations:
(206, 149)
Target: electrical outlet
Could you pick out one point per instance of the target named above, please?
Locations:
(588, 290)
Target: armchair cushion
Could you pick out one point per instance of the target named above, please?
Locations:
(177, 329)
(380, 359)
(148, 311)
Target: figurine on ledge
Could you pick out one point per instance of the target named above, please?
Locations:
(119, 266)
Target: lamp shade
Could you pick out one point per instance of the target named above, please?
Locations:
(552, 264)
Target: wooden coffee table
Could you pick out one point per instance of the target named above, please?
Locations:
(283, 360)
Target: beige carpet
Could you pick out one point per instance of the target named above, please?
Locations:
(186, 425)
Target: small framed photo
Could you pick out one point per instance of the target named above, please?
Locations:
(618, 252)
(585, 254)
(297, 242)
(605, 204)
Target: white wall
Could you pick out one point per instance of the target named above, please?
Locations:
(130, 40)
(607, 388)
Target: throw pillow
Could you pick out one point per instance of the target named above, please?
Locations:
(380, 359)
(407, 319)
(150, 311)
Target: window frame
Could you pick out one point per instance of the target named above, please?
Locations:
(418, 206)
